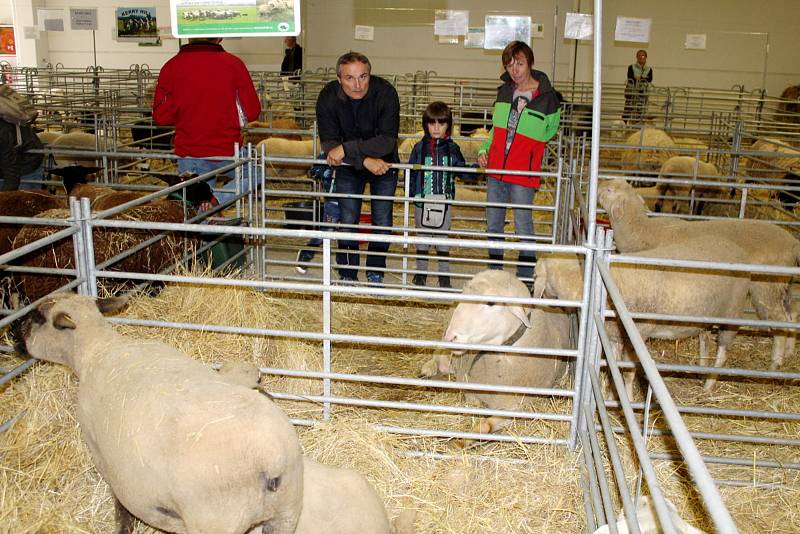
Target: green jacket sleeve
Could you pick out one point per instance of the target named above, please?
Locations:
(485, 146)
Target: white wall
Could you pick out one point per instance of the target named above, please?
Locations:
(404, 41)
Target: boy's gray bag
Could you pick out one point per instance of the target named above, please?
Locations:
(433, 213)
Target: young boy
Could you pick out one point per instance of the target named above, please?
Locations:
(435, 149)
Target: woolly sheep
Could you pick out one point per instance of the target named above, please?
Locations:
(277, 124)
(474, 322)
(655, 148)
(339, 501)
(181, 449)
(665, 290)
(276, 146)
(75, 141)
(673, 195)
(764, 243)
(47, 137)
(24, 204)
(648, 521)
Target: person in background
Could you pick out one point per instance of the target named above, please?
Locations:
(637, 84)
(526, 116)
(435, 149)
(208, 95)
(17, 164)
(358, 117)
(292, 56)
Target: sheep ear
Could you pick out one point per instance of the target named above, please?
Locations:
(519, 313)
(63, 321)
(111, 304)
(539, 280)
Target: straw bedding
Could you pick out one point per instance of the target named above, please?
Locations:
(50, 485)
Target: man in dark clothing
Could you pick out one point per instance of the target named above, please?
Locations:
(16, 163)
(358, 116)
(292, 57)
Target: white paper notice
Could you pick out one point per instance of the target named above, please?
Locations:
(365, 33)
(51, 20)
(474, 38)
(502, 30)
(450, 22)
(695, 41)
(537, 30)
(578, 26)
(82, 18)
(630, 29)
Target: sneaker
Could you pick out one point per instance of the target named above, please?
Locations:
(348, 280)
(303, 257)
(444, 282)
(419, 280)
(374, 278)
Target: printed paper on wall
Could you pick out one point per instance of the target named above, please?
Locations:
(502, 30)
(634, 30)
(578, 26)
(235, 18)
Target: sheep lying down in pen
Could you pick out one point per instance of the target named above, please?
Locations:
(763, 243)
(502, 324)
(648, 522)
(666, 290)
(181, 448)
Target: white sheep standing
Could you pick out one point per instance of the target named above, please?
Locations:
(655, 147)
(182, 448)
(75, 140)
(290, 148)
(503, 324)
(763, 242)
(674, 196)
(673, 291)
(339, 501)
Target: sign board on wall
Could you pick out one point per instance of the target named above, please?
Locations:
(235, 18)
(502, 30)
(578, 26)
(695, 41)
(136, 24)
(82, 18)
(50, 20)
(631, 29)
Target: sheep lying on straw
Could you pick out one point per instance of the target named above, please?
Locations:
(501, 324)
(764, 244)
(663, 290)
(647, 520)
(180, 448)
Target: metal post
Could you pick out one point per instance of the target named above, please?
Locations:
(88, 246)
(326, 325)
(406, 222)
(78, 246)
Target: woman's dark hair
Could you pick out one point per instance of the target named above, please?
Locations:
(513, 49)
(437, 111)
(352, 57)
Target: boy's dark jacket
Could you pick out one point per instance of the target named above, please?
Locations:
(445, 153)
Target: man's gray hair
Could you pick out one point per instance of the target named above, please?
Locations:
(352, 57)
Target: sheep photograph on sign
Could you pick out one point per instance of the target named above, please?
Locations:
(235, 18)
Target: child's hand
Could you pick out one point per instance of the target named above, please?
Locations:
(483, 159)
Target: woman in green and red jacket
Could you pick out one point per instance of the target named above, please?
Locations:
(526, 115)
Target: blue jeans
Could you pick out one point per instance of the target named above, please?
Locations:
(504, 192)
(330, 208)
(38, 174)
(202, 166)
(352, 181)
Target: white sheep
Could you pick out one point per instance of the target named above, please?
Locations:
(339, 501)
(181, 448)
(674, 197)
(648, 522)
(75, 141)
(764, 243)
(47, 137)
(656, 148)
(503, 324)
(673, 291)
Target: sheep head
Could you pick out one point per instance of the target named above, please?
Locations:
(618, 196)
(558, 277)
(52, 331)
(488, 322)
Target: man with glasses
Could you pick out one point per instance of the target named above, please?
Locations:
(358, 117)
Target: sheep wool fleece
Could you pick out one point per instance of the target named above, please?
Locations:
(197, 92)
(538, 123)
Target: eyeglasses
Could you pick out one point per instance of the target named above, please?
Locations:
(437, 121)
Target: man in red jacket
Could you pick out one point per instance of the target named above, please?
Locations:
(207, 94)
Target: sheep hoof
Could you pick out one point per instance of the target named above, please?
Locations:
(429, 369)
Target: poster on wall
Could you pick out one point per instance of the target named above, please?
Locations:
(502, 30)
(136, 24)
(578, 26)
(235, 18)
(450, 22)
(8, 46)
(633, 30)
(695, 41)
(50, 20)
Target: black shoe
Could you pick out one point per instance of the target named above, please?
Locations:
(444, 282)
(303, 257)
(419, 280)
